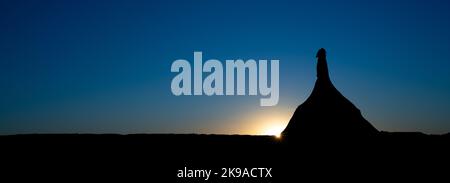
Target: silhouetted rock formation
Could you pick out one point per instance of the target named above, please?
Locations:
(326, 112)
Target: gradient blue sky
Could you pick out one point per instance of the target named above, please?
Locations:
(103, 66)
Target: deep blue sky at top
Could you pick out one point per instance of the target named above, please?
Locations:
(104, 65)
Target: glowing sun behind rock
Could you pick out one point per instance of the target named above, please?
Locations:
(274, 129)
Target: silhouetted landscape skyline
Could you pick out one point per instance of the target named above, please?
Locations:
(224, 91)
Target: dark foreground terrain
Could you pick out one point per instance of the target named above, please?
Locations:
(159, 157)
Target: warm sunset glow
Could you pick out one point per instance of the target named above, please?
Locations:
(268, 122)
(275, 129)
(263, 121)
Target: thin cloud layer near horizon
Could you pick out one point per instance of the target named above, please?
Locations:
(104, 66)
